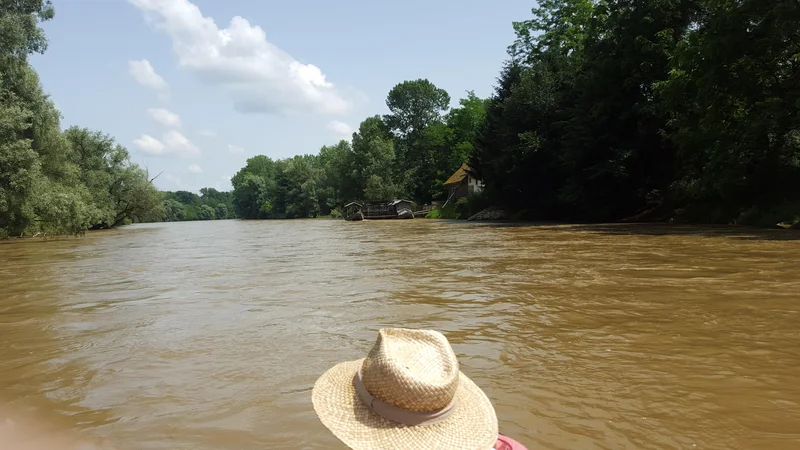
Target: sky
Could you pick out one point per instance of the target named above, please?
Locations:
(193, 88)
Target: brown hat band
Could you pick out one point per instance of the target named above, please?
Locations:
(400, 415)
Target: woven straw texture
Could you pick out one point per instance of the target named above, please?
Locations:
(415, 370)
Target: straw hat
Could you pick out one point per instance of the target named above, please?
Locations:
(408, 393)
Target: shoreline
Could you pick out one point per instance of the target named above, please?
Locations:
(621, 226)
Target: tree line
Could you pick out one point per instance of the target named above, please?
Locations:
(649, 110)
(54, 181)
(66, 182)
(685, 110)
(211, 204)
(408, 153)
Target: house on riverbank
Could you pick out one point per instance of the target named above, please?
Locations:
(462, 183)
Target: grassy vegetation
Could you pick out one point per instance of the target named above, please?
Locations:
(463, 209)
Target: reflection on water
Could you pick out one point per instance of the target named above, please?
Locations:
(210, 335)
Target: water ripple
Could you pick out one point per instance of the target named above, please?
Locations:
(211, 335)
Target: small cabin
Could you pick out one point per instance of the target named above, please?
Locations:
(400, 205)
(352, 208)
(462, 183)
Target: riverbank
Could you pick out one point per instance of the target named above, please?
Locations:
(462, 211)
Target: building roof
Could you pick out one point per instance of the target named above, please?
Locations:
(459, 175)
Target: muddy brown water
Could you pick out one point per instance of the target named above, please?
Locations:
(210, 335)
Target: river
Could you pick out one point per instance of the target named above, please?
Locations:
(210, 335)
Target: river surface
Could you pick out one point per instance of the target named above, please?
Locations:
(210, 335)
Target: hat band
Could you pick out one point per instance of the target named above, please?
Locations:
(400, 415)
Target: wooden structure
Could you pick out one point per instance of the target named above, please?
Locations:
(388, 209)
(462, 183)
(352, 211)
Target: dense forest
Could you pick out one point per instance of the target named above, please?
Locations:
(685, 110)
(211, 204)
(657, 109)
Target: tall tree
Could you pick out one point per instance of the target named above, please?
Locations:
(251, 186)
(302, 179)
(338, 176)
(20, 34)
(614, 149)
(520, 145)
(414, 105)
(733, 100)
(445, 145)
(106, 171)
(374, 158)
(21, 101)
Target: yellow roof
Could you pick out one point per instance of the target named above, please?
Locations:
(460, 174)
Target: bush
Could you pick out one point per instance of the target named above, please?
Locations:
(787, 213)
(463, 209)
(448, 212)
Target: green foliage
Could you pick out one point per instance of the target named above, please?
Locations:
(337, 180)
(682, 108)
(414, 105)
(447, 212)
(20, 34)
(374, 161)
(336, 213)
(737, 132)
(462, 209)
(205, 212)
(209, 205)
(290, 188)
(406, 154)
(297, 193)
(54, 182)
(221, 211)
(120, 191)
(378, 189)
(435, 213)
(19, 168)
(174, 211)
(557, 29)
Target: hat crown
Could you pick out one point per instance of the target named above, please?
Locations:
(415, 370)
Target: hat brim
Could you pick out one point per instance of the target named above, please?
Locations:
(471, 426)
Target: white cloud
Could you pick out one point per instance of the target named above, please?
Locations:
(144, 74)
(172, 143)
(208, 133)
(149, 145)
(340, 129)
(178, 143)
(235, 149)
(165, 117)
(194, 168)
(258, 76)
(224, 183)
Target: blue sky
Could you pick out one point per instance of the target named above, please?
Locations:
(195, 87)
